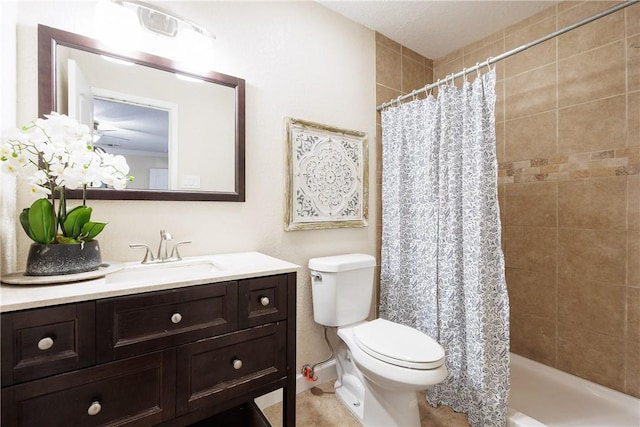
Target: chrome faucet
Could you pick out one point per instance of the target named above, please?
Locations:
(162, 256)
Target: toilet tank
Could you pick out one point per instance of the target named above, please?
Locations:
(342, 288)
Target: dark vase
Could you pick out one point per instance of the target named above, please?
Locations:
(60, 259)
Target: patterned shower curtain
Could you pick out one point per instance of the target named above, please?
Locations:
(442, 264)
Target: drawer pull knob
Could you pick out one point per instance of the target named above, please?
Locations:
(176, 318)
(45, 343)
(94, 409)
(264, 301)
(237, 363)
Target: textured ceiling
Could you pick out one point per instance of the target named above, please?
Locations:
(435, 28)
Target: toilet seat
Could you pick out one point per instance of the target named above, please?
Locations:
(398, 345)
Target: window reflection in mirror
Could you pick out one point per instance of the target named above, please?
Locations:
(140, 131)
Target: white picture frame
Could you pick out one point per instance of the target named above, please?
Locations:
(327, 176)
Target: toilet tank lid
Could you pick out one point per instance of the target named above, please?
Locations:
(338, 263)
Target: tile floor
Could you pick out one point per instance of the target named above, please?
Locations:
(321, 408)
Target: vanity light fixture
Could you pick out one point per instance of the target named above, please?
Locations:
(133, 24)
(117, 26)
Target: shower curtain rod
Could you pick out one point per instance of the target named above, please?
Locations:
(492, 60)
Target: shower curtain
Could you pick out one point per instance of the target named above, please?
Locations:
(442, 268)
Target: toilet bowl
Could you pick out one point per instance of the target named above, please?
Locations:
(381, 364)
(394, 356)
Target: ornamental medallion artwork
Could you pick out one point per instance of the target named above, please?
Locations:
(326, 177)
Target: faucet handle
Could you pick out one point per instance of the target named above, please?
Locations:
(175, 255)
(148, 256)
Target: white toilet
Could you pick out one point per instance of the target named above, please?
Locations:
(381, 365)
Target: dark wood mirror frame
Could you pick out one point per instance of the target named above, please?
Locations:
(49, 38)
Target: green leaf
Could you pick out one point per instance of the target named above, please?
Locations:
(75, 220)
(42, 221)
(24, 221)
(91, 230)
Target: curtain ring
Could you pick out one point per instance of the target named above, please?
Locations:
(413, 95)
(489, 62)
(426, 92)
(464, 74)
(477, 69)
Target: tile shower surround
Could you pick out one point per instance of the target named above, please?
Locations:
(568, 145)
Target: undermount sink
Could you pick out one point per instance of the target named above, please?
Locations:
(184, 268)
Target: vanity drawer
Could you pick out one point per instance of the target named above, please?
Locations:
(137, 391)
(262, 300)
(213, 371)
(133, 325)
(46, 341)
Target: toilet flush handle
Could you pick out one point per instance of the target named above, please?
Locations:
(316, 276)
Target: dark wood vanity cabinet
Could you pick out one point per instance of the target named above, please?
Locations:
(136, 324)
(46, 341)
(135, 391)
(187, 356)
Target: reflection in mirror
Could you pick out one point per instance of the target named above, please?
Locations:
(182, 137)
(140, 132)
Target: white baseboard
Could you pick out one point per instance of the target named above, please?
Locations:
(325, 372)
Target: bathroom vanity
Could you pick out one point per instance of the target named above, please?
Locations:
(169, 345)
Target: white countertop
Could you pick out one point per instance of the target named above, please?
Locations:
(134, 279)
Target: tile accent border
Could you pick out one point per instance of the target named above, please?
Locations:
(593, 164)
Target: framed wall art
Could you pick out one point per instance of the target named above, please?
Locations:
(327, 176)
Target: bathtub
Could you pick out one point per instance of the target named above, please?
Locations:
(544, 396)
(540, 396)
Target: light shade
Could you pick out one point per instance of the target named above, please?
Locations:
(117, 26)
(134, 25)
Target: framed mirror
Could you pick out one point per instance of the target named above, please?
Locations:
(183, 134)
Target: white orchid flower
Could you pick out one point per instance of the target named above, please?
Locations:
(56, 153)
(39, 191)
(10, 168)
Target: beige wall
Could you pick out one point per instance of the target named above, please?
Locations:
(300, 60)
(568, 139)
(8, 18)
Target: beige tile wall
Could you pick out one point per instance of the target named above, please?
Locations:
(568, 140)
